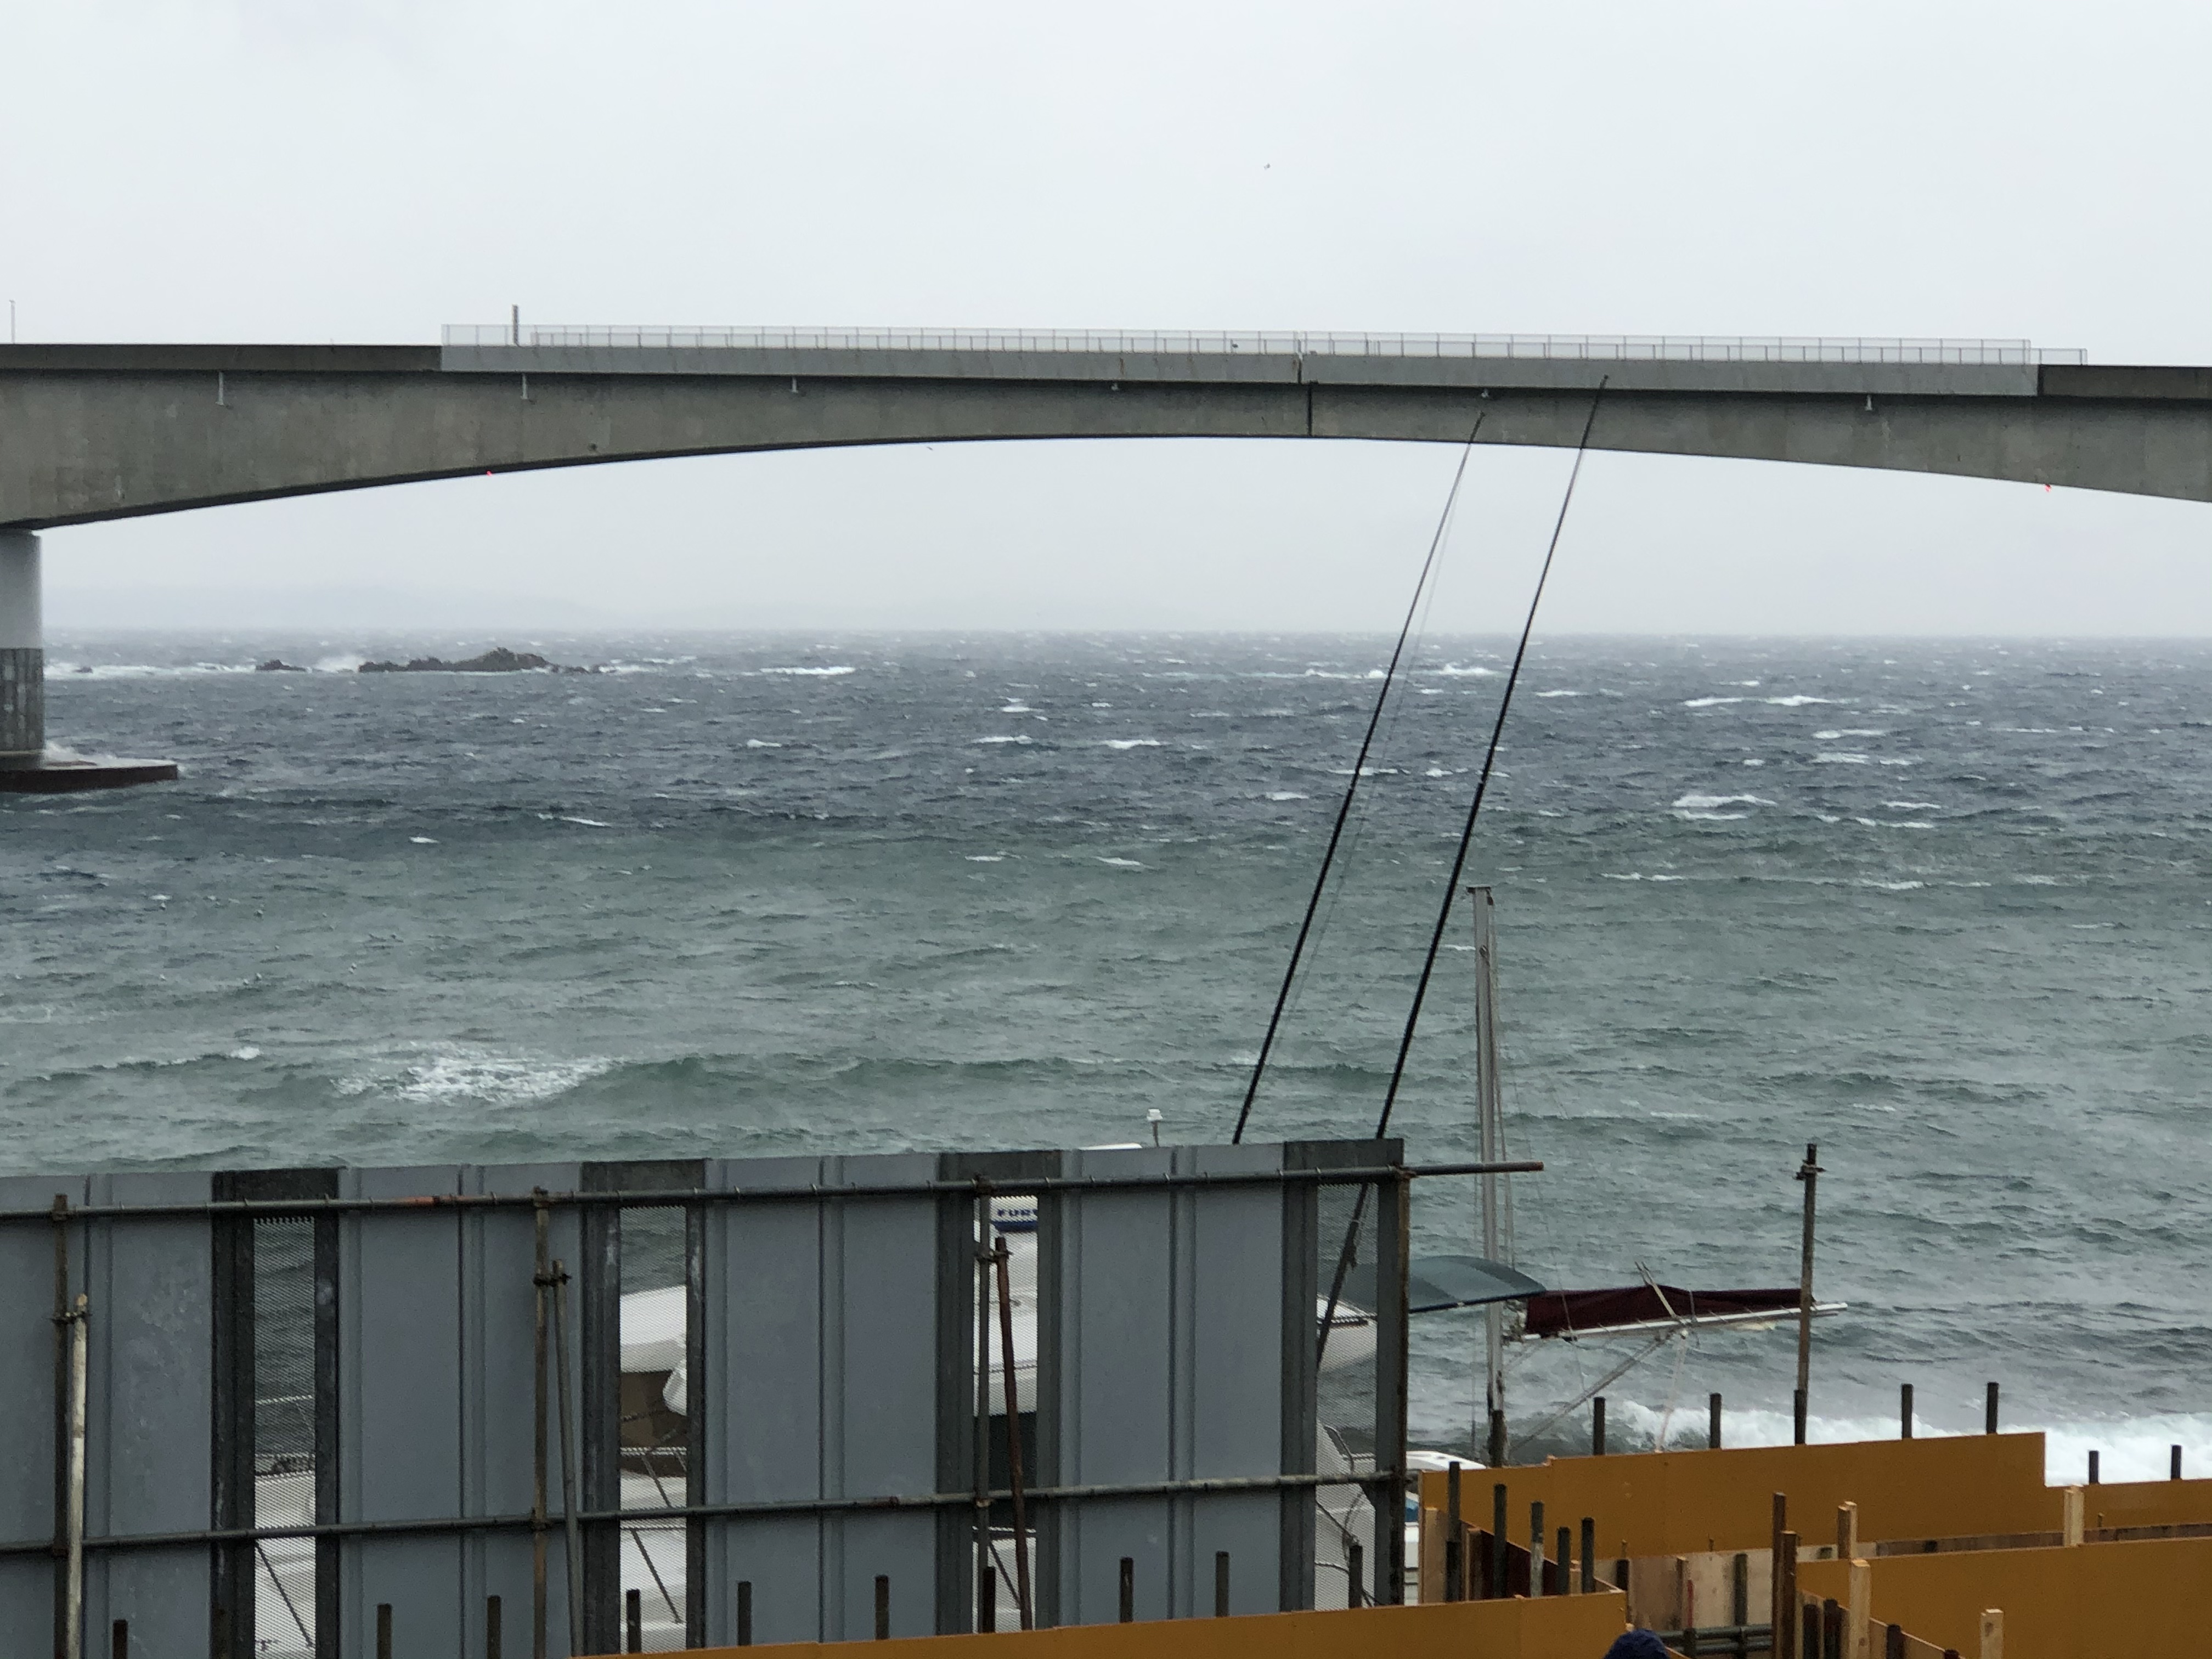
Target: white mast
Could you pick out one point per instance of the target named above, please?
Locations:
(1497, 1221)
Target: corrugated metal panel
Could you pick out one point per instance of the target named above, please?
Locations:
(150, 1410)
(818, 1378)
(1162, 1357)
(436, 1358)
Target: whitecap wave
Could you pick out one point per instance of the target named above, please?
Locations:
(458, 1073)
(1132, 743)
(1122, 864)
(1286, 795)
(1707, 803)
(1018, 738)
(1837, 757)
(1797, 702)
(1708, 702)
(1848, 732)
(817, 673)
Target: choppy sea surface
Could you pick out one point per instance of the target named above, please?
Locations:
(1941, 906)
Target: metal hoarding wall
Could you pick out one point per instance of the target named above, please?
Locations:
(387, 1403)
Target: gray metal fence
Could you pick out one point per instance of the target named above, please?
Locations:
(360, 1411)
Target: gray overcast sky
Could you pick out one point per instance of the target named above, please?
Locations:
(268, 170)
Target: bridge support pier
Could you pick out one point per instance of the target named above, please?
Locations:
(22, 652)
(25, 766)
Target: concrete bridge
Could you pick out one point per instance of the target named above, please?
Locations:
(95, 432)
(89, 433)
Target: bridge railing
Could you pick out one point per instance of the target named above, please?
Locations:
(1611, 348)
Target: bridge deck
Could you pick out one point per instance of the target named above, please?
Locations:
(95, 432)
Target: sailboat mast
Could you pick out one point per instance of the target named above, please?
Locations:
(1491, 1120)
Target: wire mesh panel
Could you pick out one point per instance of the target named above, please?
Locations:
(655, 1326)
(1350, 1553)
(284, 1569)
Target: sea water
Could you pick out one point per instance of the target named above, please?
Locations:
(1941, 907)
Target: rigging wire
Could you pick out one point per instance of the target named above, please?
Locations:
(1353, 1002)
(1482, 782)
(1459, 865)
(1352, 789)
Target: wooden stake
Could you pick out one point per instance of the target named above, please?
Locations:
(1774, 1578)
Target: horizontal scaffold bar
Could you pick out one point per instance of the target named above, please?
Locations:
(1372, 1482)
(979, 1187)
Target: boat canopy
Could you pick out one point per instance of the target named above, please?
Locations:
(1646, 1307)
(1434, 1283)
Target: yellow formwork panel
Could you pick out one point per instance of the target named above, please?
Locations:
(2132, 1600)
(2147, 1503)
(1562, 1627)
(1682, 1503)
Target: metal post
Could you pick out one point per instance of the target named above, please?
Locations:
(574, 1544)
(1590, 1556)
(1491, 1122)
(1455, 1538)
(1127, 1606)
(1713, 1422)
(1535, 1550)
(1000, 1257)
(74, 1643)
(63, 1622)
(1774, 1603)
(1809, 1173)
(883, 1606)
(1904, 1412)
(1566, 1561)
(1597, 1426)
(541, 1277)
(634, 1616)
(1989, 1411)
(1355, 1573)
(986, 1580)
(1221, 1582)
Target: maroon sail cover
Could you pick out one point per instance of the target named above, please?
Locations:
(1568, 1313)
